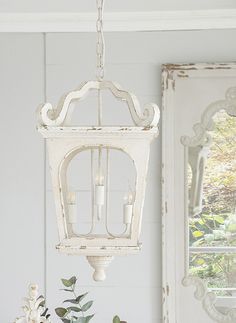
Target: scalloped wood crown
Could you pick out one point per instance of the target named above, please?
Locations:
(48, 116)
(201, 129)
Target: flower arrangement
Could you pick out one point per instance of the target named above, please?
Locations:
(34, 308)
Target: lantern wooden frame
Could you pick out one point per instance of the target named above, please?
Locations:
(64, 142)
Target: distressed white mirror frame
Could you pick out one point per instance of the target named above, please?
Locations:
(213, 86)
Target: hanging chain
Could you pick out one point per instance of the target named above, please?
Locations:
(100, 41)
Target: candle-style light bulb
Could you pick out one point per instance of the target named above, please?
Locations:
(71, 197)
(99, 180)
(128, 208)
(130, 198)
(99, 193)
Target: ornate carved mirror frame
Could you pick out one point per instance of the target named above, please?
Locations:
(192, 95)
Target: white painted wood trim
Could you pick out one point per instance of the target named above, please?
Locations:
(119, 21)
(171, 73)
(202, 250)
(48, 116)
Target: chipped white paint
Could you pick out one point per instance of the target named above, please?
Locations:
(208, 300)
(34, 308)
(198, 146)
(65, 142)
(50, 117)
(202, 137)
(201, 287)
(175, 189)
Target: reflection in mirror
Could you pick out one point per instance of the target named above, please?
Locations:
(197, 159)
(212, 210)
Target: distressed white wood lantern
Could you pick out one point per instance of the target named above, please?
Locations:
(65, 141)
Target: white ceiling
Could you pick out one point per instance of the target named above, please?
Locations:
(111, 5)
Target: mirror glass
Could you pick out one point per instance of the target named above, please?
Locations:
(211, 178)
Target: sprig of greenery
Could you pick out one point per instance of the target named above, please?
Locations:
(71, 314)
(116, 319)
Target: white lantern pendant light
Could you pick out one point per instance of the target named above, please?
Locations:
(65, 142)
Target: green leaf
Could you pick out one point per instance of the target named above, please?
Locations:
(42, 303)
(61, 311)
(72, 301)
(87, 306)
(65, 321)
(200, 221)
(200, 261)
(44, 312)
(73, 280)
(76, 300)
(197, 234)
(80, 320)
(88, 318)
(85, 319)
(66, 282)
(74, 309)
(116, 319)
(220, 219)
(80, 297)
(69, 282)
(232, 227)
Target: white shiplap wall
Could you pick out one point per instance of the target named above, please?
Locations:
(133, 286)
(21, 170)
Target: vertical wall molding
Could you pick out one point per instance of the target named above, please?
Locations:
(45, 165)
